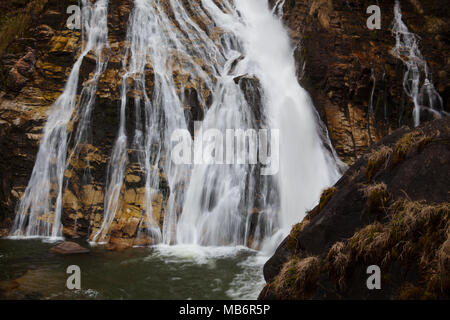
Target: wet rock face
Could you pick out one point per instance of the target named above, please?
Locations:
(34, 72)
(336, 54)
(35, 68)
(390, 209)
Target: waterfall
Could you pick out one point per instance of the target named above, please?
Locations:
(371, 109)
(270, 56)
(216, 210)
(234, 59)
(278, 8)
(417, 80)
(40, 208)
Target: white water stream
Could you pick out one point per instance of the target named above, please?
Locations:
(230, 51)
(40, 209)
(417, 80)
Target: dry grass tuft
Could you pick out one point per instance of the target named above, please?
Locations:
(295, 232)
(369, 243)
(377, 159)
(338, 259)
(298, 278)
(442, 276)
(410, 292)
(326, 196)
(377, 196)
(15, 24)
(410, 141)
(416, 234)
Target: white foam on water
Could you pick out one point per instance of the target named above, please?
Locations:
(248, 284)
(195, 253)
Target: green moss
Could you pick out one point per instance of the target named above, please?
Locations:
(291, 273)
(394, 253)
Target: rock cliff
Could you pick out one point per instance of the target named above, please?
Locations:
(341, 61)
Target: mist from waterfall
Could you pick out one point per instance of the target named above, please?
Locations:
(417, 80)
(40, 208)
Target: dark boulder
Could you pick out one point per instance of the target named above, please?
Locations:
(390, 209)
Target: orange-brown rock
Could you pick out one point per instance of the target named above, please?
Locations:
(68, 248)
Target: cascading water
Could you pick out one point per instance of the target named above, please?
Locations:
(220, 197)
(240, 58)
(278, 8)
(39, 211)
(290, 109)
(216, 210)
(417, 81)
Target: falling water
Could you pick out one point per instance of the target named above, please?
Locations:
(220, 197)
(278, 8)
(235, 60)
(417, 81)
(374, 79)
(216, 209)
(289, 108)
(371, 113)
(39, 211)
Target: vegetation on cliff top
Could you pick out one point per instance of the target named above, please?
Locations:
(18, 20)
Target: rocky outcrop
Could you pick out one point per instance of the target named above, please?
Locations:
(340, 62)
(18, 75)
(390, 209)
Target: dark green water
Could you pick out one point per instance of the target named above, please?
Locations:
(29, 271)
